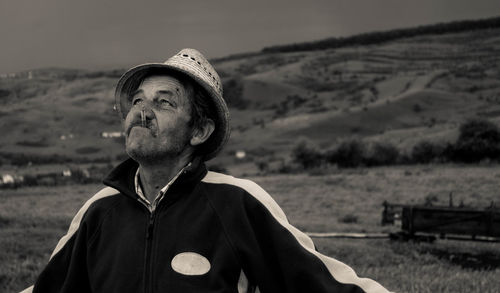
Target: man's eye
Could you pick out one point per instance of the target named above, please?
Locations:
(165, 102)
(136, 101)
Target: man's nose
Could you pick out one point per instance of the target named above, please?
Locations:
(142, 112)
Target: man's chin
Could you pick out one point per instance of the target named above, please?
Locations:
(143, 154)
(136, 144)
(139, 155)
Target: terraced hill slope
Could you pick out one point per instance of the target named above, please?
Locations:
(402, 91)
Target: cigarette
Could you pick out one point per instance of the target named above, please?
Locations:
(143, 118)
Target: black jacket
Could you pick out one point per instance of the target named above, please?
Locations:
(210, 233)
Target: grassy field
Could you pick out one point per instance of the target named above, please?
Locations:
(33, 219)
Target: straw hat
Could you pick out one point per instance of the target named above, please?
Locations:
(193, 64)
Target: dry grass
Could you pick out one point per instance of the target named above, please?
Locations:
(315, 203)
(31, 222)
(33, 219)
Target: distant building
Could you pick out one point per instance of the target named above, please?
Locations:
(7, 179)
(24, 74)
(240, 154)
(65, 137)
(112, 134)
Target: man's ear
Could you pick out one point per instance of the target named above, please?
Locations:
(201, 134)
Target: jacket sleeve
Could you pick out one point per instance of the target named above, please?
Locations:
(277, 257)
(66, 270)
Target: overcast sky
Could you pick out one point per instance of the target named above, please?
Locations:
(117, 33)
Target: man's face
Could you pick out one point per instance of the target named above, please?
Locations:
(165, 108)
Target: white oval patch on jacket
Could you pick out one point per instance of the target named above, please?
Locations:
(190, 263)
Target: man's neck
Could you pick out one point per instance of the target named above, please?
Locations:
(155, 176)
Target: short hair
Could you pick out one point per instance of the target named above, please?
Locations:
(202, 109)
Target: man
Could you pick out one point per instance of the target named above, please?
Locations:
(165, 224)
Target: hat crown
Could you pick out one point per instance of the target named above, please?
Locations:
(197, 62)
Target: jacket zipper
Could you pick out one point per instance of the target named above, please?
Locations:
(149, 243)
(148, 266)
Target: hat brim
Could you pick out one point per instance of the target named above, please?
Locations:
(131, 80)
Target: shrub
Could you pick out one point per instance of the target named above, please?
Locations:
(350, 153)
(417, 108)
(47, 181)
(4, 93)
(430, 199)
(83, 175)
(286, 168)
(306, 154)
(4, 221)
(289, 103)
(478, 139)
(263, 166)
(348, 219)
(19, 159)
(30, 180)
(35, 143)
(425, 152)
(449, 152)
(381, 153)
(87, 150)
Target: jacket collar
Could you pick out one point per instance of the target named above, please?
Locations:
(122, 177)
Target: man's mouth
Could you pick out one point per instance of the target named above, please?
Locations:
(141, 125)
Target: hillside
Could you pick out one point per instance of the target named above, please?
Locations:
(403, 91)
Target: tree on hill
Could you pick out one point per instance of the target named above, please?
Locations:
(478, 139)
(307, 154)
(425, 152)
(350, 153)
(390, 35)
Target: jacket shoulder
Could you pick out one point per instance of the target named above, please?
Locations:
(75, 223)
(247, 191)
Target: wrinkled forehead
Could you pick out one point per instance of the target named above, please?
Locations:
(162, 81)
(156, 83)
